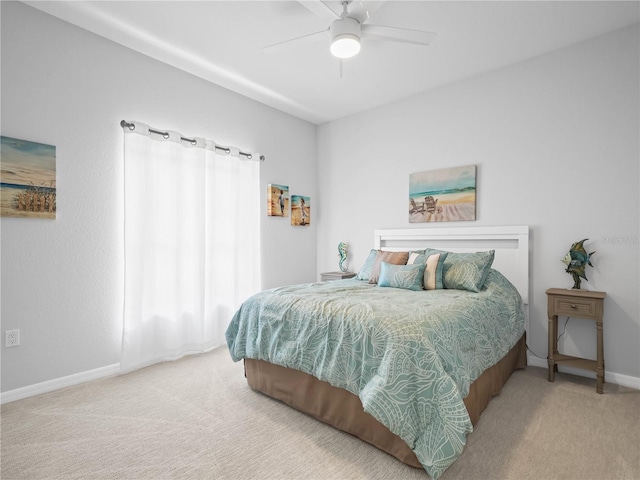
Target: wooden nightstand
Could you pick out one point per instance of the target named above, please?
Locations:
(579, 304)
(329, 276)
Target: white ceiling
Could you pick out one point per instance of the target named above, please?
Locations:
(221, 41)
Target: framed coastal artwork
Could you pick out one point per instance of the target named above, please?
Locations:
(300, 210)
(28, 187)
(277, 200)
(446, 195)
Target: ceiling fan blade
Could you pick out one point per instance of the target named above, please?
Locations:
(275, 47)
(320, 9)
(397, 34)
(362, 10)
(359, 11)
(372, 6)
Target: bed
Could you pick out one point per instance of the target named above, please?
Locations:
(405, 369)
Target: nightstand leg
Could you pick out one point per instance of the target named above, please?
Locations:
(553, 322)
(600, 358)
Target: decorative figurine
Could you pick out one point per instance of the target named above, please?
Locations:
(342, 251)
(576, 261)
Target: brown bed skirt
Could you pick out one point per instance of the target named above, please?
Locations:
(343, 410)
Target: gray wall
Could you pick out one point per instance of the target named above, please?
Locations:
(62, 279)
(556, 143)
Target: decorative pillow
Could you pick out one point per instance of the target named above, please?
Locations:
(365, 271)
(413, 255)
(395, 258)
(401, 276)
(466, 271)
(434, 268)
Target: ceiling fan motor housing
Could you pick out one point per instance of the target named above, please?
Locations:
(345, 31)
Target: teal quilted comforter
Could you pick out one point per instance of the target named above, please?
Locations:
(409, 355)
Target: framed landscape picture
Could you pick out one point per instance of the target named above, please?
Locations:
(300, 210)
(446, 195)
(28, 187)
(277, 200)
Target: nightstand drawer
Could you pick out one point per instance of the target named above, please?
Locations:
(574, 306)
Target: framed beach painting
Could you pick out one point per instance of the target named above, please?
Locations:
(446, 195)
(300, 210)
(28, 187)
(277, 200)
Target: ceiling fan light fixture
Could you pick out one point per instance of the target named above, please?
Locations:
(346, 45)
(345, 37)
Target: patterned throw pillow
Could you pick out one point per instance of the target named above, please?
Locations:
(365, 271)
(395, 258)
(466, 271)
(433, 273)
(401, 276)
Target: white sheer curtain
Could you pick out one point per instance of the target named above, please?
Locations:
(192, 244)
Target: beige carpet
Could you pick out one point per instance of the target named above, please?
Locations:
(197, 419)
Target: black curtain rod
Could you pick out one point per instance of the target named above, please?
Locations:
(192, 141)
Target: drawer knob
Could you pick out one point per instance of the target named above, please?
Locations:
(573, 305)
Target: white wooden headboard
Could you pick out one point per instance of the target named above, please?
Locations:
(511, 244)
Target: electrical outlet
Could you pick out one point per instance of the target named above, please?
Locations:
(12, 338)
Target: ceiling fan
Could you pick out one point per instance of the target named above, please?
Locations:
(347, 29)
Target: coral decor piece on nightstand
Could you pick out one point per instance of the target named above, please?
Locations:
(576, 261)
(342, 252)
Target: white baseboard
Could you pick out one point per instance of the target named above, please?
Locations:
(610, 377)
(110, 370)
(55, 384)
